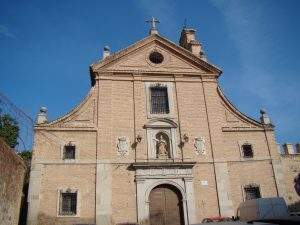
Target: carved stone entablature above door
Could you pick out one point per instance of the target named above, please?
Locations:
(162, 139)
(159, 170)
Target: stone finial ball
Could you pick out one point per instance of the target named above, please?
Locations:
(263, 111)
(43, 109)
(106, 48)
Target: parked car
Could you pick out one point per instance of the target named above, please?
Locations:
(258, 211)
(262, 209)
(217, 219)
(266, 210)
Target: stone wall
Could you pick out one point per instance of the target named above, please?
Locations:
(287, 168)
(12, 171)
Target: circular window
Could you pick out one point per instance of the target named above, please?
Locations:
(156, 57)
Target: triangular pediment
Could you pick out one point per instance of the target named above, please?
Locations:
(136, 58)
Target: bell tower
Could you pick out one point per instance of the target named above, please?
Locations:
(188, 41)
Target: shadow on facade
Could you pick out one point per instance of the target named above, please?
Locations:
(24, 205)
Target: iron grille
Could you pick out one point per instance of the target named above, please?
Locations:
(68, 203)
(69, 152)
(247, 151)
(252, 192)
(159, 100)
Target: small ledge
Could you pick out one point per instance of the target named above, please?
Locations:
(237, 129)
(161, 123)
(161, 164)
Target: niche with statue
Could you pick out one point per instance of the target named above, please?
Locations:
(162, 145)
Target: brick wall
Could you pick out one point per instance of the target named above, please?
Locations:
(12, 171)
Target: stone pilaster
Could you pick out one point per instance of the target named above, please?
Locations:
(279, 177)
(222, 177)
(33, 198)
(103, 194)
(190, 198)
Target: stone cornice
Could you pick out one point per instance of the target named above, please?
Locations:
(48, 128)
(169, 77)
(147, 165)
(147, 72)
(241, 129)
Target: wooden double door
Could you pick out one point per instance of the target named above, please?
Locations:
(166, 206)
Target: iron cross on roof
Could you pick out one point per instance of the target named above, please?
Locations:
(153, 22)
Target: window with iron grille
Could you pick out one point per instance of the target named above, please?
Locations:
(68, 203)
(69, 152)
(159, 100)
(252, 192)
(247, 151)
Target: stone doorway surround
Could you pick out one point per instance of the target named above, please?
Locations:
(178, 174)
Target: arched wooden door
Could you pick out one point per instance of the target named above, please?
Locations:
(166, 206)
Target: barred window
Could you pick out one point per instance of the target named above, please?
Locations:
(247, 151)
(252, 192)
(159, 100)
(68, 203)
(69, 151)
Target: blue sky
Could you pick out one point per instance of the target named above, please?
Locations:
(46, 48)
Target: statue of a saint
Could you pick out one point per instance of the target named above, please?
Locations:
(161, 147)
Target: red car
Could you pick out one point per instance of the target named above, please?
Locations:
(217, 219)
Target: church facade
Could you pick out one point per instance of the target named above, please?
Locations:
(154, 142)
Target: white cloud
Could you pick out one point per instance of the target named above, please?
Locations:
(254, 29)
(254, 38)
(4, 32)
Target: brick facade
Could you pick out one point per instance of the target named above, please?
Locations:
(111, 184)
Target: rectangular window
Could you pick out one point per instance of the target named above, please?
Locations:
(68, 203)
(247, 151)
(252, 192)
(69, 152)
(159, 100)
